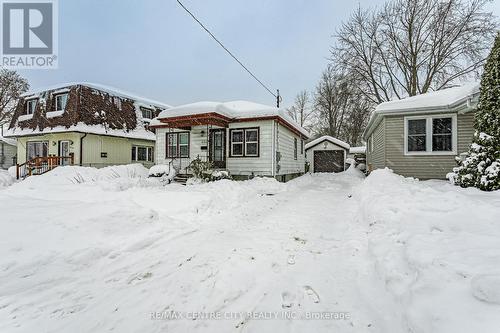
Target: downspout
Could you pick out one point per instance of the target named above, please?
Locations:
(273, 151)
(81, 148)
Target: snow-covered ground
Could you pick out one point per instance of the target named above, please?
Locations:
(86, 250)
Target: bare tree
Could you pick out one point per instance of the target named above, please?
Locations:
(409, 47)
(12, 85)
(331, 101)
(301, 110)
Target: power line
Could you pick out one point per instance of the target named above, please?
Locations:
(277, 95)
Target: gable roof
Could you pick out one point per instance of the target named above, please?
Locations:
(331, 139)
(234, 110)
(445, 100)
(91, 108)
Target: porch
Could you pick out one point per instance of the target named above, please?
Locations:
(201, 136)
(41, 165)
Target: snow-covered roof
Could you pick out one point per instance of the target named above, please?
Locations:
(445, 98)
(102, 111)
(232, 110)
(357, 150)
(111, 90)
(138, 133)
(328, 138)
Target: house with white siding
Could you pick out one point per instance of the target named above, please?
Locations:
(244, 138)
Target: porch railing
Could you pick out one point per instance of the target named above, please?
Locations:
(41, 165)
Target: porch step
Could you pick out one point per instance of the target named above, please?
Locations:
(182, 178)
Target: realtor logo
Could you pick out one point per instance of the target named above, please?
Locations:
(29, 34)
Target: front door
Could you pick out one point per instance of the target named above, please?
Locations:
(217, 151)
(64, 152)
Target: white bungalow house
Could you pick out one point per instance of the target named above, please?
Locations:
(327, 154)
(244, 138)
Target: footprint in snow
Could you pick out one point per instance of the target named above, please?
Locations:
(291, 259)
(312, 294)
(287, 300)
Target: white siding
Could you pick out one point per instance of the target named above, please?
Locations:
(261, 165)
(321, 146)
(285, 144)
(271, 135)
(197, 139)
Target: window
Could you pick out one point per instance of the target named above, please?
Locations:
(147, 113)
(244, 142)
(37, 149)
(142, 154)
(430, 135)
(30, 106)
(178, 144)
(251, 142)
(417, 135)
(301, 146)
(294, 148)
(61, 101)
(237, 142)
(441, 134)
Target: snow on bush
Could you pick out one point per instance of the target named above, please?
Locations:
(481, 165)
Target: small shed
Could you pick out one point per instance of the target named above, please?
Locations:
(327, 154)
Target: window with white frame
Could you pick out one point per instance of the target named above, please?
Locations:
(142, 154)
(147, 113)
(237, 142)
(244, 142)
(61, 101)
(178, 145)
(430, 135)
(30, 106)
(301, 146)
(252, 142)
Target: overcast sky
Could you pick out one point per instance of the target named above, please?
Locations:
(154, 49)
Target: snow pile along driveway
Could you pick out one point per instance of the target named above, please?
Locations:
(437, 248)
(96, 250)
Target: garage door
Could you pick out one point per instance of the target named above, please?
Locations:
(328, 161)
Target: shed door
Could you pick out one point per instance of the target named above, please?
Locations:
(328, 161)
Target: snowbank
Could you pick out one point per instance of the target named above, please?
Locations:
(437, 248)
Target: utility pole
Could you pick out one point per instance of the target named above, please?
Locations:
(278, 98)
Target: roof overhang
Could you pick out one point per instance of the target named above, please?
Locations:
(216, 119)
(210, 118)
